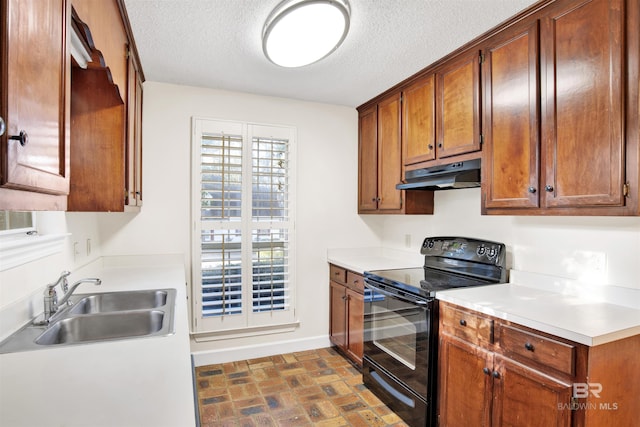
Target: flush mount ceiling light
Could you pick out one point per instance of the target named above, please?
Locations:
(301, 32)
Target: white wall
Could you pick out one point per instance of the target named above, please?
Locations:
(594, 250)
(326, 189)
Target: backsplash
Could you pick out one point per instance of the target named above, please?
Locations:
(594, 250)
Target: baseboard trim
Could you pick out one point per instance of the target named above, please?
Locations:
(211, 357)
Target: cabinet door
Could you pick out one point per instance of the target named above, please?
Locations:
(355, 325)
(582, 70)
(510, 156)
(338, 315)
(389, 153)
(526, 397)
(134, 136)
(465, 388)
(34, 101)
(458, 106)
(368, 160)
(418, 121)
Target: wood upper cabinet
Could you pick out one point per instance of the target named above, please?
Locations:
(419, 121)
(389, 153)
(106, 104)
(380, 162)
(458, 105)
(580, 154)
(368, 160)
(511, 155)
(441, 113)
(34, 105)
(134, 135)
(582, 70)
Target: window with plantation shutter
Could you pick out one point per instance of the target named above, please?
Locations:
(243, 226)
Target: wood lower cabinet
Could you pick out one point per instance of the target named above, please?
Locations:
(380, 163)
(347, 312)
(34, 105)
(496, 373)
(562, 139)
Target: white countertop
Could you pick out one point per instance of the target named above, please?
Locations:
(568, 316)
(134, 382)
(360, 260)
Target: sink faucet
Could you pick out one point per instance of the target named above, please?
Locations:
(65, 297)
(51, 303)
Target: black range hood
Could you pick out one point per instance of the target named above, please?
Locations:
(444, 177)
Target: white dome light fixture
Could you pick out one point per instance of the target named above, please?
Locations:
(301, 32)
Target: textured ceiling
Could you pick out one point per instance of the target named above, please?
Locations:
(217, 44)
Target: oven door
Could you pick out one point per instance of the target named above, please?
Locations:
(397, 335)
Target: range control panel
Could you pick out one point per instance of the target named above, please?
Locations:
(467, 249)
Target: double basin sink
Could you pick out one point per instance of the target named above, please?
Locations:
(100, 317)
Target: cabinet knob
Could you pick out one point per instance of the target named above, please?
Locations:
(496, 374)
(430, 146)
(532, 190)
(440, 145)
(23, 137)
(373, 200)
(529, 346)
(486, 370)
(2, 126)
(463, 322)
(549, 188)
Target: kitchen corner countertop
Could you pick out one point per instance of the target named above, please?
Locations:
(134, 382)
(360, 260)
(568, 316)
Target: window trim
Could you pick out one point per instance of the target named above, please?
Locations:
(252, 323)
(16, 251)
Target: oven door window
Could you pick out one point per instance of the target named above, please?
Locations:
(396, 338)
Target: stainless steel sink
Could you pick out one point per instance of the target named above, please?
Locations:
(100, 317)
(119, 301)
(101, 327)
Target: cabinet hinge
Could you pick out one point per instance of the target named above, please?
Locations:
(625, 190)
(574, 403)
(481, 58)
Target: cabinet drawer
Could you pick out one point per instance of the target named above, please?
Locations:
(355, 282)
(337, 274)
(520, 344)
(468, 326)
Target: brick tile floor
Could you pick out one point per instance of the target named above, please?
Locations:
(309, 388)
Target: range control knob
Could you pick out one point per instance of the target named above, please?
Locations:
(492, 252)
(481, 250)
(430, 244)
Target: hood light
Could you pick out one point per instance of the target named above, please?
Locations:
(301, 32)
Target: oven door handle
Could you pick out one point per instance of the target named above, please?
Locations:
(404, 297)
